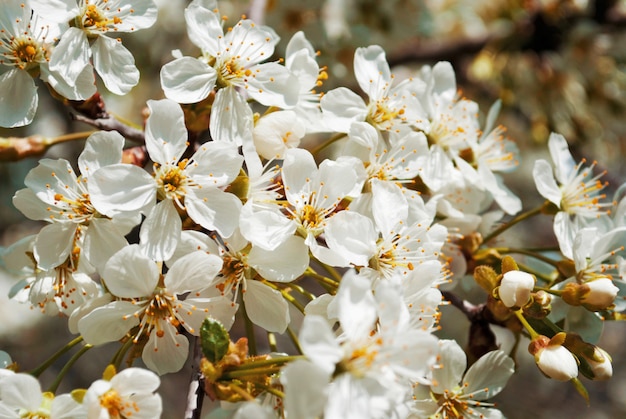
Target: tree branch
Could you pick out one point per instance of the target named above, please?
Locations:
(109, 123)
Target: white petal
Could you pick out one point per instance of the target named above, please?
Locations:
(214, 209)
(102, 148)
(215, 164)
(491, 372)
(305, 389)
(453, 361)
(135, 380)
(70, 56)
(265, 229)
(563, 162)
(389, 206)
(102, 240)
(131, 274)
(192, 272)
(372, 71)
(341, 107)
(273, 85)
(353, 236)
(266, 307)
(160, 231)
(30, 205)
(53, 244)
(298, 167)
(356, 306)
(231, 117)
(318, 343)
(166, 134)
(56, 10)
(283, 264)
(18, 99)
(108, 323)
(187, 80)
(80, 89)
(115, 64)
(204, 28)
(21, 391)
(121, 188)
(545, 182)
(193, 311)
(167, 353)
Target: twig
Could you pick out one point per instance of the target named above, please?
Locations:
(111, 124)
(195, 395)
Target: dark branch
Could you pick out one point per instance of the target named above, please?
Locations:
(111, 124)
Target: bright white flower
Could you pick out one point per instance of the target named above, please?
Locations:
(515, 288)
(393, 243)
(388, 106)
(25, 47)
(375, 354)
(571, 187)
(58, 290)
(21, 396)
(276, 132)
(91, 21)
(192, 185)
(451, 123)
(77, 226)
(229, 61)
(455, 393)
(129, 393)
(151, 307)
(249, 268)
(491, 153)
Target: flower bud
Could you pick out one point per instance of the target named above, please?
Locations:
(598, 294)
(515, 288)
(595, 362)
(601, 365)
(553, 359)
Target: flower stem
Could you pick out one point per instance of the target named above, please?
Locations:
(520, 316)
(119, 355)
(294, 339)
(37, 371)
(290, 298)
(327, 143)
(268, 362)
(531, 253)
(521, 217)
(249, 330)
(53, 387)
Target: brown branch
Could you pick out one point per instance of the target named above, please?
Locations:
(109, 123)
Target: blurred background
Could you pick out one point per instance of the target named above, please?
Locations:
(556, 66)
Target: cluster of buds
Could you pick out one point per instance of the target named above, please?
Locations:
(564, 355)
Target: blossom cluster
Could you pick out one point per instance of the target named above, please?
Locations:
(357, 247)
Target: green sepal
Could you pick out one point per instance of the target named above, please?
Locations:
(214, 339)
(78, 395)
(580, 388)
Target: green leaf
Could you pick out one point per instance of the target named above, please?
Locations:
(215, 339)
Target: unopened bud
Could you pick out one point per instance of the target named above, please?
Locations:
(595, 295)
(553, 359)
(600, 365)
(595, 362)
(515, 288)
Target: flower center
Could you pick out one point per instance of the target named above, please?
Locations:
(116, 407)
(231, 71)
(382, 116)
(94, 18)
(172, 182)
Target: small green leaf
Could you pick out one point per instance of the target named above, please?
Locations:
(215, 340)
